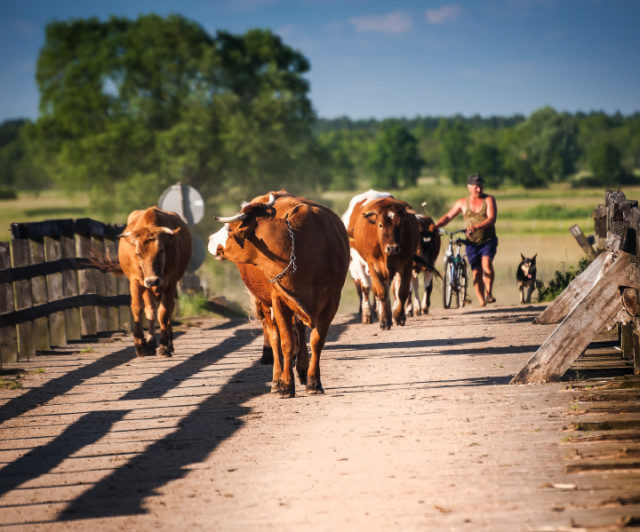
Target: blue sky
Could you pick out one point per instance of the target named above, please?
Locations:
(374, 58)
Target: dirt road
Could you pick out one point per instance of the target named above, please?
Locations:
(418, 429)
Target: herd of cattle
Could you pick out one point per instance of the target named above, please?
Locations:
(293, 255)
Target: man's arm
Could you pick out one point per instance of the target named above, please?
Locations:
(455, 210)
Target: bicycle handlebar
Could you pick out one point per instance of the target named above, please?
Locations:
(445, 232)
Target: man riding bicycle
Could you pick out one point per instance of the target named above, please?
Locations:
(479, 213)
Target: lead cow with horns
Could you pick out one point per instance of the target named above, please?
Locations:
(383, 232)
(302, 249)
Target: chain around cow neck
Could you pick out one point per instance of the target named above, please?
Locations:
(292, 259)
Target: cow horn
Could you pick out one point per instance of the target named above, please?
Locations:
(229, 219)
(124, 235)
(272, 200)
(166, 230)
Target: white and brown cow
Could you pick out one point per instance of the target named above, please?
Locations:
(301, 247)
(384, 232)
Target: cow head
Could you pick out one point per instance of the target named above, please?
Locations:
(150, 245)
(389, 226)
(230, 241)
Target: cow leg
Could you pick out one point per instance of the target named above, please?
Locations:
(358, 284)
(399, 316)
(414, 300)
(165, 311)
(365, 306)
(302, 354)
(381, 290)
(150, 314)
(283, 315)
(272, 334)
(428, 288)
(316, 340)
(136, 311)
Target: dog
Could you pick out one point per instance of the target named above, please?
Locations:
(526, 278)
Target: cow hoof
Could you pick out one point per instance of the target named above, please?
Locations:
(164, 351)
(267, 355)
(366, 320)
(302, 375)
(274, 387)
(141, 351)
(286, 391)
(314, 387)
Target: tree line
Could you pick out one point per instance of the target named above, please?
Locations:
(128, 107)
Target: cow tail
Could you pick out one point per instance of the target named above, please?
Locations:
(103, 263)
(295, 305)
(430, 267)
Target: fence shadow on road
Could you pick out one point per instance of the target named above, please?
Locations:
(412, 344)
(215, 419)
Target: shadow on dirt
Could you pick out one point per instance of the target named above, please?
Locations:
(413, 344)
(87, 430)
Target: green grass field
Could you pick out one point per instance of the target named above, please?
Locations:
(529, 221)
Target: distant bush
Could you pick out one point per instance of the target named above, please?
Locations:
(7, 193)
(192, 304)
(560, 281)
(415, 196)
(549, 211)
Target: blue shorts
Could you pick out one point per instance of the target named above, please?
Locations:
(475, 252)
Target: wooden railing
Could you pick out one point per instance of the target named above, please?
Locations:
(49, 294)
(605, 293)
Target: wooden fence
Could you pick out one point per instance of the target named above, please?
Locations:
(49, 295)
(605, 293)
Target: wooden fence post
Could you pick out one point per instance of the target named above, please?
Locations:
(39, 295)
(57, 326)
(86, 286)
(8, 337)
(582, 241)
(70, 285)
(102, 313)
(23, 300)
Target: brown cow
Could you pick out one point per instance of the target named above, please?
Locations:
(384, 232)
(302, 249)
(260, 292)
(154, 252)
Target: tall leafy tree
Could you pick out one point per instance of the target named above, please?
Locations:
(454, 149)
(130, 106)
(395, 161)
(486, 159)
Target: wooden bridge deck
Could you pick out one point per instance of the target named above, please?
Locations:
(418, 429)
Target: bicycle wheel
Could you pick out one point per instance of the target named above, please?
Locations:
(461, 284)
(447, 285)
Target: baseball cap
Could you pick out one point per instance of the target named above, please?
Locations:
(475, 179)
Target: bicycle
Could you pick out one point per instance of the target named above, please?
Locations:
(455, 271)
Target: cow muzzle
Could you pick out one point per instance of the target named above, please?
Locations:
(392, 249)
(150, 282)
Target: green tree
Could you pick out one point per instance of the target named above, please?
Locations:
(128, 107)
(552, 148)
(454, 150)
(486, 159)
(395, 161)
(606, 166)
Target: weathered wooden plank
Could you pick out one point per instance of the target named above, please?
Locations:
(582, 241)
(599, 306)
(57, 326)
(70, 289)
(39, 296)
(86, 285)
(111, 286)
(569, 298)
(20, 256)
(102, 321)
(8, 335)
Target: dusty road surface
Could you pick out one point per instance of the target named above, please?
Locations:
(417, 430)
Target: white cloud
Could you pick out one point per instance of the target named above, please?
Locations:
(443, 14)
(396, 23)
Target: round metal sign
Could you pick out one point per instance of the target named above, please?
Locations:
(199, 252)
(183, 200)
